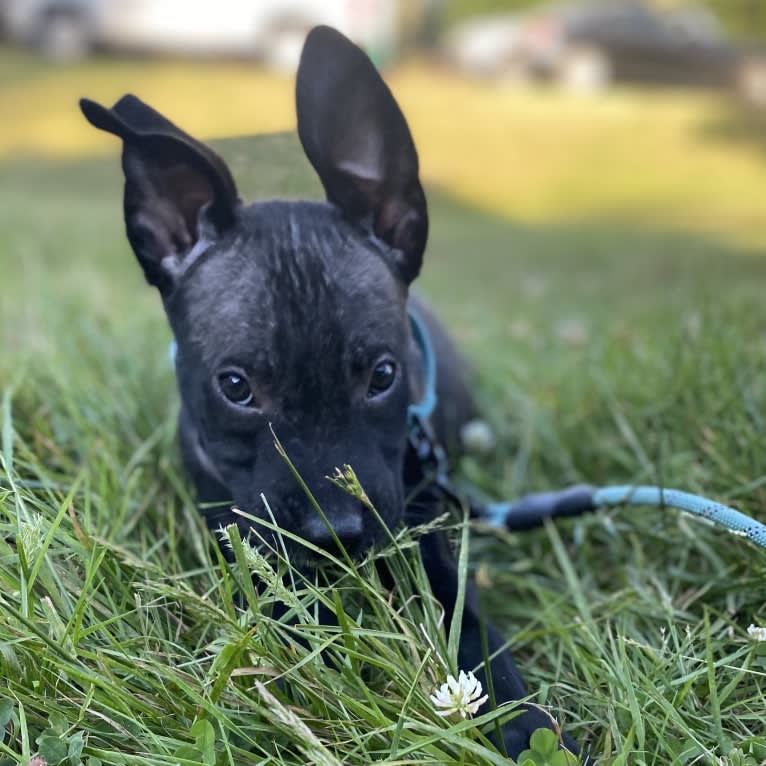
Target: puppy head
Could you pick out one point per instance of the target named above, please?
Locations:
(288, 314)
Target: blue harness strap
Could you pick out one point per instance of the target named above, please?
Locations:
(423, 410)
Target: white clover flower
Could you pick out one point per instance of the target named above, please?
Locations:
(756, 633)
(461, 695)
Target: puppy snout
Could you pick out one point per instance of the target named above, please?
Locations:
(348, 529)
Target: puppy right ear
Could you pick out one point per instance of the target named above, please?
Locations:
(177, 190)
(357, 139)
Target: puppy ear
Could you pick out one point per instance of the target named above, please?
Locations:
(357, 139)
(174, 186)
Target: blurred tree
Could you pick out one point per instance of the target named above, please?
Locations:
(745, 19)
(457, 10)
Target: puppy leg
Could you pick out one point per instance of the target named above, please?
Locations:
(507, 682)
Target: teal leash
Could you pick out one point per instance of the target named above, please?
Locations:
(717, 513)
(532, 510)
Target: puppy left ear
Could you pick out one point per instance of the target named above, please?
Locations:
(173, 185)
(357, 139)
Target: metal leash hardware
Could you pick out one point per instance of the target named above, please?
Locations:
(431, 458)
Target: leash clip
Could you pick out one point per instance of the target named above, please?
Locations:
(429, 453)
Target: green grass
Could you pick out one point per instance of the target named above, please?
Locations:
(638, 158)
(604, 354)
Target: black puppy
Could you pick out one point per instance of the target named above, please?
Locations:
(295, 315)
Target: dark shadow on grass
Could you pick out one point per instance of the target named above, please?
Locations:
(738, 124)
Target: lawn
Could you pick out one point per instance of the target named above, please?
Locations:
(602, 263)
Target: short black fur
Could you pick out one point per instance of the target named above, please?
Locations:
(284, 312)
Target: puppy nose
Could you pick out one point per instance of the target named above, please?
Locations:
(347, 529)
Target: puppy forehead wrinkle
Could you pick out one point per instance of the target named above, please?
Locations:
(293, 273)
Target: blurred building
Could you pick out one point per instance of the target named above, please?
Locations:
(270, 30)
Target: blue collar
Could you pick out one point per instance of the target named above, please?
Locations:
(423, 410)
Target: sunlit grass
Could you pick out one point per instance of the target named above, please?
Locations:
(207, 99)
(657, 159)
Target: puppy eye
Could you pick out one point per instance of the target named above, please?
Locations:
(236, 388)
(382, 378)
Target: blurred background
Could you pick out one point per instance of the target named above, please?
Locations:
(575, 149)
(596, 169)
(612, 108)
